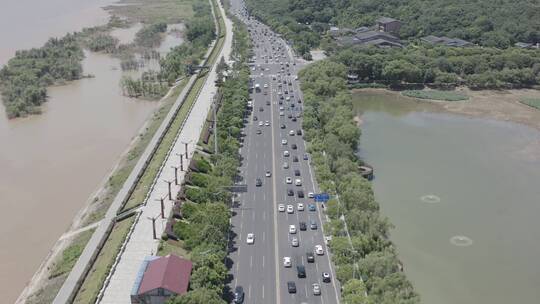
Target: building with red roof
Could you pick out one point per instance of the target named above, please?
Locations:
(160, 278)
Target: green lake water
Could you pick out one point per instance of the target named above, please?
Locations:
(447, 180)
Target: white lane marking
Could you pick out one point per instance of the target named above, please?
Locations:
(249, 291)
(251, 261)
(276, 245)
(263, 261)
(253, 215)
(305, 287)
(264, 216)
(263, 291)
(264, 236)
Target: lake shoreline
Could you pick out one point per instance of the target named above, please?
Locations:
(501, 105)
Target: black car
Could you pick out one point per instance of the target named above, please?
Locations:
(294, 118)
(300, 194)
(290, 192)
(301, 271)
(255, 118)
(284, 81)
(261, 109)
(305, 157)
(295, 159)
(283, 126)
(291, 287)
(258, 182)
(238, 294)
(303, 226)
(296, 172)
(299, 100)
(280, 101)
(268, 102)
(310, 257)
(259, 132)
(298, 132)
(294, 146)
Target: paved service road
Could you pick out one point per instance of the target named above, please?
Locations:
(276, 116)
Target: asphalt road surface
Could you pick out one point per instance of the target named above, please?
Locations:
(259, 267)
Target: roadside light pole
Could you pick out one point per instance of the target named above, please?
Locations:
(162, 201)
(175, 175)
(181, 161)
(169, 185)
(153, 219)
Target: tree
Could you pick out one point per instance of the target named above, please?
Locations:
(354, 292)
(198, 296)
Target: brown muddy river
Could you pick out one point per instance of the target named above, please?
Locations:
(51, 164)
(463, 194)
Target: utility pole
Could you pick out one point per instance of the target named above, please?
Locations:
(162, 201)
(169, 184)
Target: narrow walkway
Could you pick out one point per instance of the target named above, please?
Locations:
(141, 242)
(83, 229)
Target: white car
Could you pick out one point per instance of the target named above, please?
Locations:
(292, 230)
(261, 123)
(316, 289)
(268, 174)
(267, 123)
(319, 250)
(287, 262)
(286, 153)
(283, 141)
(291, 132)
(281, 113)
(300, 207)
(281, 207)
(290, 209)
(311, 195)
(294, 242)
(250, 238)
(298, 182)
(285, 165)
(288, 180)
(281, 108)
(265, 85)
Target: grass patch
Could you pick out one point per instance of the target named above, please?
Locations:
(531, 102)
(435, 95)
(174, 247)
(71, 254)
(168, 11)
(96, 276)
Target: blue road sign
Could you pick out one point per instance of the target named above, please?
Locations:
(322, 197)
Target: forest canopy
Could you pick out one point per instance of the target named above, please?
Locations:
(498, 23)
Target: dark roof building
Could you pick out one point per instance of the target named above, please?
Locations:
(387, 24)
(379, 39)
(455, 42)
(159, 278)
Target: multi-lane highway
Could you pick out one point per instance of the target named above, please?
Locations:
(276, 169)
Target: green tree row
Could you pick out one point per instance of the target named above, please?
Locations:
(478, 68)
(24, 79)
(371, 263)
(206, 219)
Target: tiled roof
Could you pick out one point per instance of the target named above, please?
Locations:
(170, 272)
